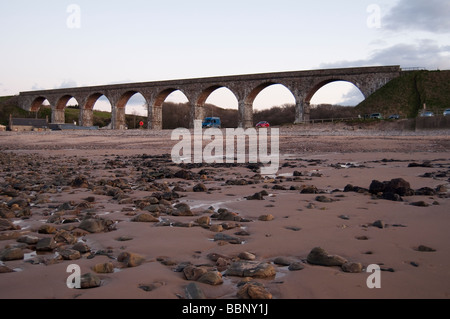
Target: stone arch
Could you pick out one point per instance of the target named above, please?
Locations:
(87, 110)
(60, 106)
(155, 117)
(246, 107)
(204, 95)
(207, 93)
(274, 95)
(37, 103)
(61, 103)
(92, 99)
(120, 115)
(126, 97)
(303, 105)
(316, 87)
(250, 98)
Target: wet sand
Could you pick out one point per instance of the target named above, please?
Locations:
(325, 157)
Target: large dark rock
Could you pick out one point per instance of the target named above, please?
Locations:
(225, 214)
(309, 190)
(377, 187)
(182, 209)
(213, 278)
(90, 280)
(130, 259)
(80, 182)
(94, 225)
(318, 256)
(253, 290)
(396, 186)
(7, 225)
(193, 291)
(251, 269)
(184, 174)
(46, 244)
(70, 254)
(228, 238)
(11, 254)
(193, 273)
(81, 247)
(145, 218)
(200, 188)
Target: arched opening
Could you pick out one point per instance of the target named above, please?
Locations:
(132, 109)
(68, 107)
(275, 104)
(170, 110)
(97, 111)
(221, 102)
(334, 99)
(40, 108)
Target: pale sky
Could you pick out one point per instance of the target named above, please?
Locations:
(52, 44)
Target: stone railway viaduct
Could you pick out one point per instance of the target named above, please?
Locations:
(302, 84)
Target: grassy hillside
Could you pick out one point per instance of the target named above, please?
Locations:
(407, 94)
(8, 105)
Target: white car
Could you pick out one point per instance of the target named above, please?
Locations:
(447, 112)
(427, 114)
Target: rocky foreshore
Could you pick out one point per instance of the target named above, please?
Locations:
(140, 226)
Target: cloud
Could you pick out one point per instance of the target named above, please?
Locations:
(66, 84)
(410, 21)
(37, 87)
(352, 98)
(419, 15)
(424, 53)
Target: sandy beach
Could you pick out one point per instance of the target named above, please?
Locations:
(165, 226)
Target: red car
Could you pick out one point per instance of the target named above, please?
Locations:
(262, 124)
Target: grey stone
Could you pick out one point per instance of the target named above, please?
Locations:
(352, 267)
(182, 209)
(7, 225)
(324, 199)
(70, 254)
(81, 247)
(193, 273)
(213, 278)
(93, 225)
(253, 290)
(46, 244)
(193, 291)
(318, 256)
(379, 224)
(90, 280)
(424, 248)
(282, 261)
(251, 269)
(296, 266)
(10, 254)
(247, 256)
(103, 268)
(228, 238)
(28, 239)
(145, 218)
(200, 188)
(5, 269)
(130, 259)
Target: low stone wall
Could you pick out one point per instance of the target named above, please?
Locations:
(435, 122)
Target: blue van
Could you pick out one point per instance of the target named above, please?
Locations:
(211, 122)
